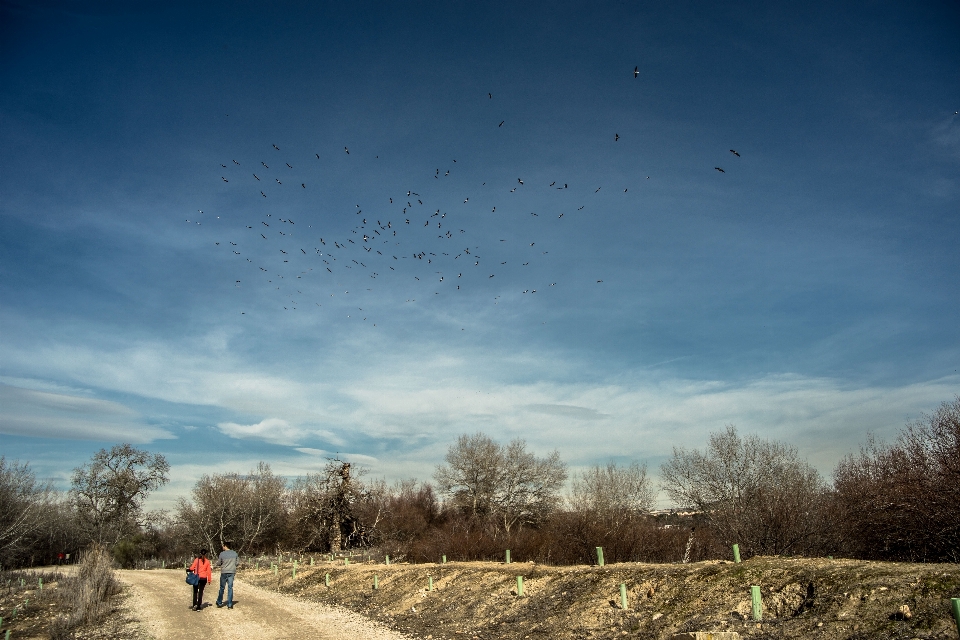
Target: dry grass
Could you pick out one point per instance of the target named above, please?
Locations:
(86, 598)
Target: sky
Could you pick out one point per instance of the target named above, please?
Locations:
(234, 232)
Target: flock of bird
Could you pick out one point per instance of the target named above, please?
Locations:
(409, 236)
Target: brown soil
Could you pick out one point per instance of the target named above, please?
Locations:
(802, 598)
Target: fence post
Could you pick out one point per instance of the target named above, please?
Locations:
(756, 603)
(623, 596)
(600, 556)
(519, 586)
(736, 553)
(955, 607)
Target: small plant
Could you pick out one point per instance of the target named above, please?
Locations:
(86, 598)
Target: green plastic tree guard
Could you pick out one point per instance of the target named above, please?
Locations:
(326, 580)
(430, 583)
(955, 607)
(508, 556)
(756, 603)
(376, 581)
(388, 560)
(600, 556)
(443, 560)
(736, 553)
(623, 595)
(519, 586)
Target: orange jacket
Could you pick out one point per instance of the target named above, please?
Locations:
(201, 567)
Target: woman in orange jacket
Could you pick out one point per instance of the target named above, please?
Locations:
(201, 567)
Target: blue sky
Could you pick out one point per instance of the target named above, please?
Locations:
(809, 292)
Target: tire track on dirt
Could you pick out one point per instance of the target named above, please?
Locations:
(161, 601)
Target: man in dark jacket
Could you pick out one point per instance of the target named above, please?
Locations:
(228, 568)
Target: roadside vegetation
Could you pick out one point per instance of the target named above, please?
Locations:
(889, 501)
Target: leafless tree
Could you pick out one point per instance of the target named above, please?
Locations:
(902, 501)
(25, 509)
(108, 492)
(510, 484)
(754, 492)
(613, 494)
(326, 508)
(246, 510)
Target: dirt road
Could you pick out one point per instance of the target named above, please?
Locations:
(161, 601)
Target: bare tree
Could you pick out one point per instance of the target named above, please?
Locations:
(108, 492)
(613, 494)
(336, 509)
(754, 492)
(484, 478)
(25, 509)
(247, 510)
(902, 501)
(472, 473)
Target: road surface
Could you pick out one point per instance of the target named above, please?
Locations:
(160, 600)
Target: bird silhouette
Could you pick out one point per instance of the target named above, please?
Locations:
(733, 151)
(719, 169)
(636, 71)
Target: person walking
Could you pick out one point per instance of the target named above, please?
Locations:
(201, 567)
(228, 569)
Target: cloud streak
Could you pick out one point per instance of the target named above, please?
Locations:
(27, 412)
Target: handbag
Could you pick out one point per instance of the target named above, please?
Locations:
(192, 578)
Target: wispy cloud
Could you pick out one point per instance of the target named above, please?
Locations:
(27, 412)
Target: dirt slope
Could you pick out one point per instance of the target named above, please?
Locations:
(161, 601)
(802, 598)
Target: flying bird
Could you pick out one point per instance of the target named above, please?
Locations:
(636, 71)
(734, 152)
(719, 169)
(347, 150)
(616, 137)
(256, 176)
(490, 95)
(501, 123)
(276, 147)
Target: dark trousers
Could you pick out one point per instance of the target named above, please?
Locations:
(198, 592)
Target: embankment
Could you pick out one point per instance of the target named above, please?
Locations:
(802, 598)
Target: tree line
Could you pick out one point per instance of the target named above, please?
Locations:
(888, 501)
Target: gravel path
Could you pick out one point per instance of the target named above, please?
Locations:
(161, 601)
